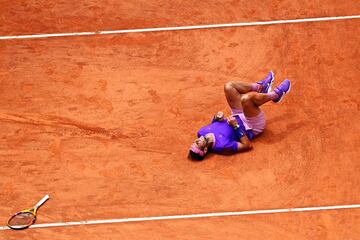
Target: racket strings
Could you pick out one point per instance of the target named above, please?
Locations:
(21, 220)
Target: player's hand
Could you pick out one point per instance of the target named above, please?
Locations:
(219, 116)
(232, 121)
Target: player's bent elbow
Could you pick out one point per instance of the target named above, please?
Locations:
(243, 147)
(248, 146)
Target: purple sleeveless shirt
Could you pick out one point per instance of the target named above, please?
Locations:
(225, 138)
(226, 141)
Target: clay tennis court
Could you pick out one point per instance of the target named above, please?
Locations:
(103, 123)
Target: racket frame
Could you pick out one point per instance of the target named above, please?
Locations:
(30, 210)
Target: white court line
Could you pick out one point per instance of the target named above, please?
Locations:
(303, 20)
(202, 215)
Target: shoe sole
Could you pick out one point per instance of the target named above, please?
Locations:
(271, 82)
(284, 94)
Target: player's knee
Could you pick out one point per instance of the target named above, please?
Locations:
(246, 99)
(228, 87)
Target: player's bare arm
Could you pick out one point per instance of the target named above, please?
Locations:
(244, 143)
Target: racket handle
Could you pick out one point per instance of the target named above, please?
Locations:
(42, 201)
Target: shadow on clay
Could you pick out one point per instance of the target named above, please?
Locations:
(270, 137)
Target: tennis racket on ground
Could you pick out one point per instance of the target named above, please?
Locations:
(25, 218)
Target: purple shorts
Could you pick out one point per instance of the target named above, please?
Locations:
(256, 124)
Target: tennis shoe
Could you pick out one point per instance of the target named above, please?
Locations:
(281, 90)
(267, 83)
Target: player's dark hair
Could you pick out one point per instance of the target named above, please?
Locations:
(195, 156)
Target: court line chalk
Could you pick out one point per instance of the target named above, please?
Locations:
(141, 30)
(202, 215)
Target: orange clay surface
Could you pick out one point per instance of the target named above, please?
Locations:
(43, 16)
(102, 124)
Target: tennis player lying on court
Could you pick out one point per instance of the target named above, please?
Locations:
(247, 120)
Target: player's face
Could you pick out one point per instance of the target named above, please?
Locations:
(201, 142)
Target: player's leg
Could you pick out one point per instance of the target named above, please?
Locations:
(234, 90)
(252, 101)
